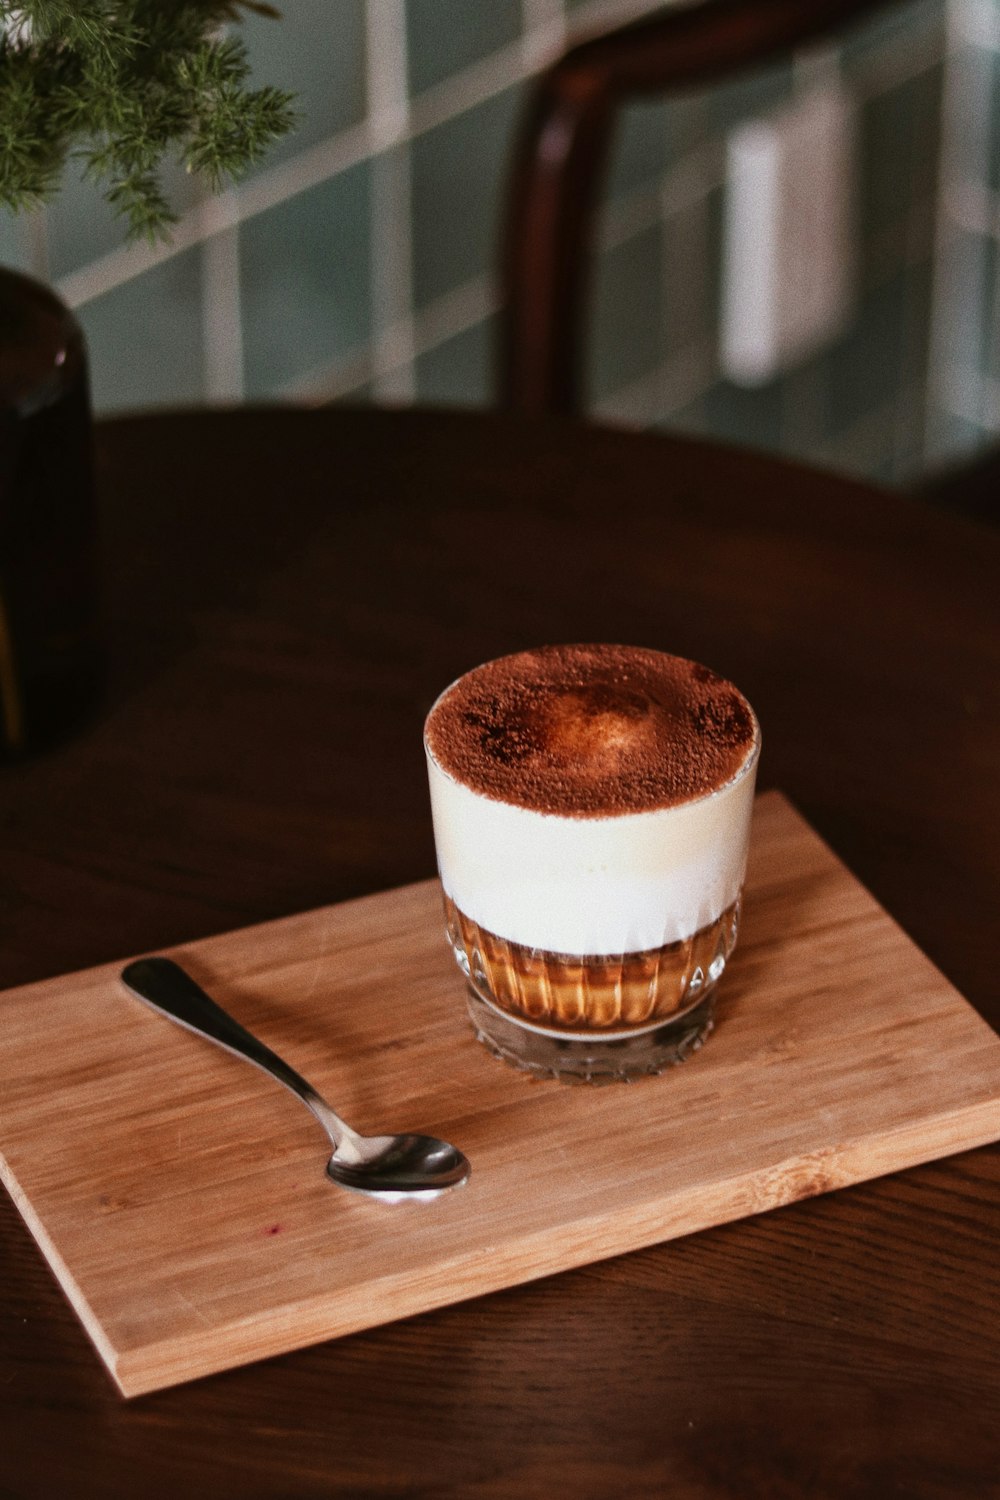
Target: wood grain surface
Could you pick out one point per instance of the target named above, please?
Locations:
(285, 594)
(184, 1209)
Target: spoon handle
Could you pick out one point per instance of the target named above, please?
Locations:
(168, 988)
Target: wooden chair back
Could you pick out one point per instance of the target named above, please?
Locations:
(553, 193)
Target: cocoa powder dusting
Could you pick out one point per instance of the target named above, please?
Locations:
(591, 731)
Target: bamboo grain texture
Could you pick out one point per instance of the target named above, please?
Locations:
(180, 1197)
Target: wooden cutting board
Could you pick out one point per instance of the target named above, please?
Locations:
(180, 1196)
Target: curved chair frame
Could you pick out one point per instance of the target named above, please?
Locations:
(549, 225)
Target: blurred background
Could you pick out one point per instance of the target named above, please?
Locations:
(358, 261)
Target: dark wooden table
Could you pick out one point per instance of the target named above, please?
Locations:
(286, 593)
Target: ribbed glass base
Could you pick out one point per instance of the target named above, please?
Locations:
(607, 993)
(590, 1058)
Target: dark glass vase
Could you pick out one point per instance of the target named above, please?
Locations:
(50, 661)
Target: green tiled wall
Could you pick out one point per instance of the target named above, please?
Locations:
(13, 244)
(447, 372)
(304, 268)
(146, 336)
(446, 36)
(317, 51)
(80, 227)
(357, 261)
(626, 338)
(457, 173)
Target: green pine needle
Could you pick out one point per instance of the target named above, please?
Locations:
(123, 85)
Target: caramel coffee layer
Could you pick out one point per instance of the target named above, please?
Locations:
(592, 731)
(563, 992)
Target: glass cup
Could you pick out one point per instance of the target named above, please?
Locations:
(592, 945)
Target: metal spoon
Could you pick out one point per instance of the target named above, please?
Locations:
(391, 1167)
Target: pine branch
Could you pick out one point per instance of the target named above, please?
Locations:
(123, 85)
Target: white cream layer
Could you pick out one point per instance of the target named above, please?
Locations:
(592, 885)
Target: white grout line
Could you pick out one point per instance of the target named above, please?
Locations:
(943, 282)
(387, 69)
(35, 238)
(803, 387)
(990, 403)
(221, 316)
(391, 275)
(391, 214)
(964, 159)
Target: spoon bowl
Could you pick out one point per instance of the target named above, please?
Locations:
(392, 1168)
(398, 1166)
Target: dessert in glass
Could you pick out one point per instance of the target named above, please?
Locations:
(591, 808)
